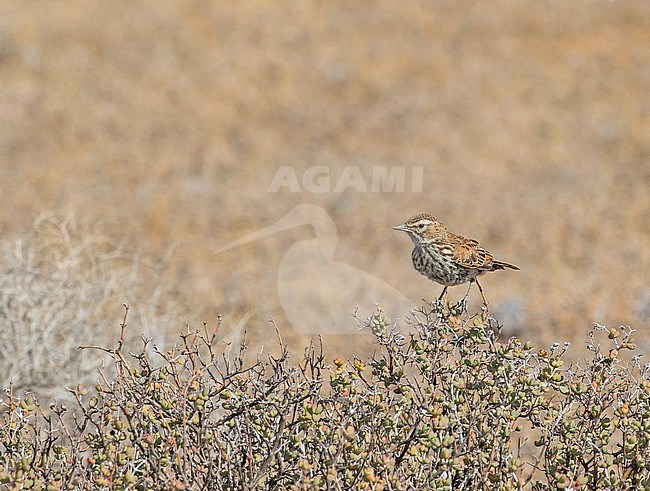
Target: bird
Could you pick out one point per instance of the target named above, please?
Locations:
(447, 258)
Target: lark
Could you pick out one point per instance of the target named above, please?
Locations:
(447, 258)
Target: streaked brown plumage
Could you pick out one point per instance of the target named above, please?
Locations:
(447, 258)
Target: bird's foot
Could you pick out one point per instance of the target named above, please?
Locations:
(440, 303)
(462, 304)
(489, 320)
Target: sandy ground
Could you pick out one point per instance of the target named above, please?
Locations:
(183, 126)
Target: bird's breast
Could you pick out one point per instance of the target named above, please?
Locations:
(436, 263)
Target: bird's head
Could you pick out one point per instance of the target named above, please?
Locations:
(422, 228)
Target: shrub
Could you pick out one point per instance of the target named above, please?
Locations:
(447, 406)
(60, 285)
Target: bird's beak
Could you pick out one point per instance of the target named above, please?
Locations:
(402, 227)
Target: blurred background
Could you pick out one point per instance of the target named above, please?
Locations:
(162, 127)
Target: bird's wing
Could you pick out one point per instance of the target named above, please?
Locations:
(467, 253)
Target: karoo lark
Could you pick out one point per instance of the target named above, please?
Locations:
(447, 258)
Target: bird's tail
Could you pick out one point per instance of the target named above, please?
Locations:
(498, 265)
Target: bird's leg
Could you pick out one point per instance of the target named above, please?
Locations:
(442, 295)
(485, 302)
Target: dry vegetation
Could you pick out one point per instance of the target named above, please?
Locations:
(61, 287)
(446, 407)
